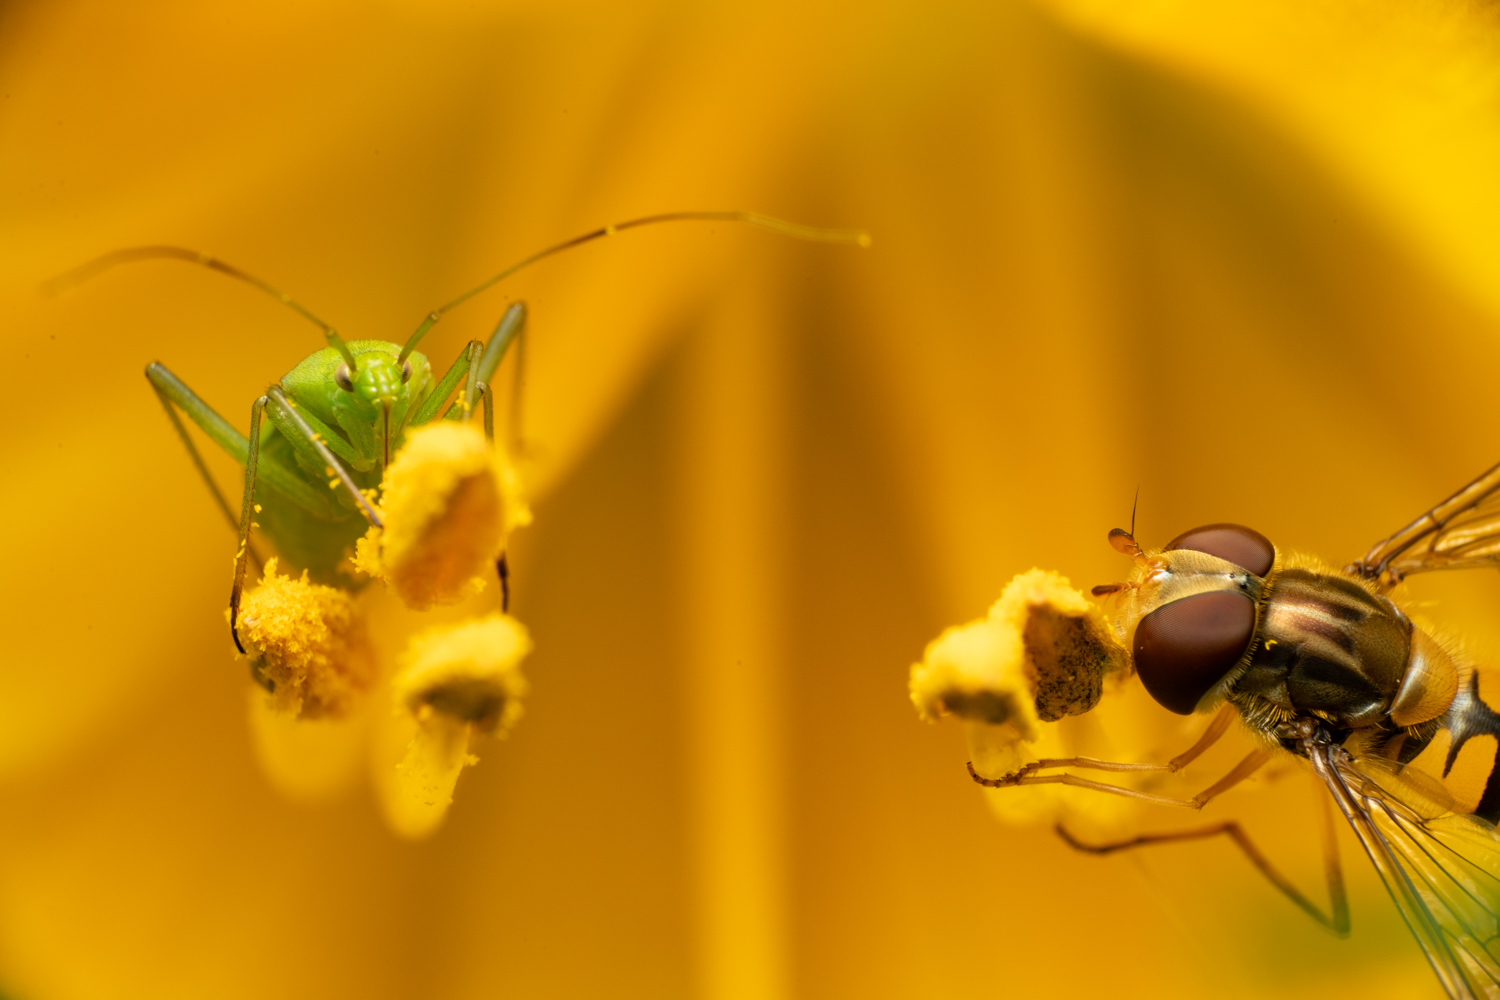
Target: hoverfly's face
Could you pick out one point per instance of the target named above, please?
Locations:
(1190, 614)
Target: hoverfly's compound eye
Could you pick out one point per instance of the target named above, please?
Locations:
(1184, 648)
(341, 376)
(1238, 544)
(405, 372)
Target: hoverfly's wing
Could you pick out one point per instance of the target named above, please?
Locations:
(1461, 532)
(1442, 872)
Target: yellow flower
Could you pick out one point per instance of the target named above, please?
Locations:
(1237, 254)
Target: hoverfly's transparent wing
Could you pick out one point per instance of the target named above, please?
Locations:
(1442, 872)
(1461, 532)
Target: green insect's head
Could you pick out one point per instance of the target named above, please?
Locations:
(377, 382)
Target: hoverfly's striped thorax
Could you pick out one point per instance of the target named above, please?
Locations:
(1330, 647)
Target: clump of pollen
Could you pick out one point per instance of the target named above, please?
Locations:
(1041, 654)
(447, 503)
(306, 645)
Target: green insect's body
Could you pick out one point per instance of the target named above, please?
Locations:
(319, 539)
(338, 418)
(334, 422)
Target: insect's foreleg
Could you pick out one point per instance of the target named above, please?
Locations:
(290, 422)
(1252, 763)
(1210, 736)
(1337, 920)
(247, 509)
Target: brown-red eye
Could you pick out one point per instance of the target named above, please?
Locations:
(1184, 648)
(1240, 545)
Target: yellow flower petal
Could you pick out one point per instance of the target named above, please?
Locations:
(456, 682)
(307, 760)
(306, 644)
(448, 504)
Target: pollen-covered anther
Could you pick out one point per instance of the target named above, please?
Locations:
(1042, 653)
(456, 682)
(448, 504)
(306, 644)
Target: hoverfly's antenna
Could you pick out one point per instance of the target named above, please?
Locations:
(1124, 542)
(856, 237)
(131, 255)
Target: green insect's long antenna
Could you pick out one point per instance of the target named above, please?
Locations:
(856, 237)
(131, 255)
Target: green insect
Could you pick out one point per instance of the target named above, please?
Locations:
(339, 416)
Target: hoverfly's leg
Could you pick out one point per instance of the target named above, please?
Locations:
(172, 393)
(289, 421)
(440, 392)
(1252, 763)
(247, 509)
(1332, 868)
(1337, 920)
(1210, 736)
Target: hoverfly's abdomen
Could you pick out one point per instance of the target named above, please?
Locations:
(1330, 646)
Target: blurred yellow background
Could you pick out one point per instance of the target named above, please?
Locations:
(1241, 255)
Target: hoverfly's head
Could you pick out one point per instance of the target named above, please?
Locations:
(377, 381)
(1189, 615)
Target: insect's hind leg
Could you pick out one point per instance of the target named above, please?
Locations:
(174, 394)
(511, 328)
(1337, 920)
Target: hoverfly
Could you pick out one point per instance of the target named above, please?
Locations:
(1322, 663)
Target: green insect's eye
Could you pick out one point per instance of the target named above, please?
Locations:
(341, 376)
(405, 372)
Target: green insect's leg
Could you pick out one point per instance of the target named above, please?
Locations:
(173, 393)
(488, 398)
(247, 508)
(435, 399)
(289, 421)
(512, 328)
(502, 567)
(289, 483)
